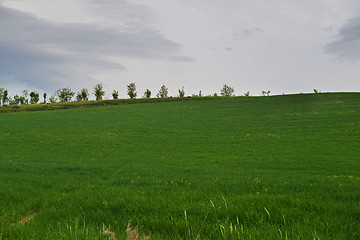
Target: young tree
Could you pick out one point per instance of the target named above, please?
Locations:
(5, 96)
(16, 100)
(22, 100)
(53, 98)
(131, 89)
(25, 94)
(147, 93)
(78, 97)
(163, 92)
(227, 91)
(115, 94)
(1, 94)
(99, 91)
(264, 93)
(65, 94)
(84, 94)
(34, 97)
(181, 92)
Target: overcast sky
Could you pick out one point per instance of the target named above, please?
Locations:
(286, 46)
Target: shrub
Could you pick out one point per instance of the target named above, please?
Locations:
(163, 92)
(247, 94)
(99, 91)
(227, 91)
(131, 89)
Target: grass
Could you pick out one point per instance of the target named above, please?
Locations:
(281, 167)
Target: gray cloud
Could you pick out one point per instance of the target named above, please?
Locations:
(121, 13)
(44, 53)
(347, 45)
(248, 32)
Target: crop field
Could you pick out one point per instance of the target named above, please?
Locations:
(278, 167)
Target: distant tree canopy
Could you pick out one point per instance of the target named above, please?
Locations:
(99, 91)
(227, 91)
(163, 92)
(131, 89)
(65, 94)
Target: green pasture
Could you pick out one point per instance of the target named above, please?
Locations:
(280, 167)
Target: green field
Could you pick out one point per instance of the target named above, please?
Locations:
(280, 167)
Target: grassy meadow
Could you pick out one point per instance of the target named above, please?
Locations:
(279, 167)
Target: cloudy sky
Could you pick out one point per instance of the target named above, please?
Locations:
(286, 46)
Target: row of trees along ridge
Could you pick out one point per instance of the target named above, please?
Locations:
(66, 94)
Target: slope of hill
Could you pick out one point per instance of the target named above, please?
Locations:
(281, 167)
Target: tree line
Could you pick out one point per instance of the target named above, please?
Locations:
(67, 95)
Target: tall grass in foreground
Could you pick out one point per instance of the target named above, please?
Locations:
(227, 227)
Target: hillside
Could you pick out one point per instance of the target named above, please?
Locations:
(280, 167)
